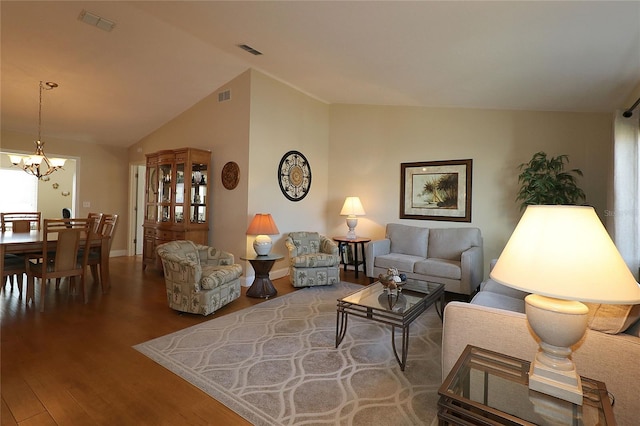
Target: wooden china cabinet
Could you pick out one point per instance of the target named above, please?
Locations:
(176, 197)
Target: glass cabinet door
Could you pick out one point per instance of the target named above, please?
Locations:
(164, 192)
(198, 195)
(178, 216)
(152, 194)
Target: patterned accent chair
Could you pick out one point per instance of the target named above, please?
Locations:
(313, 259)
(199, 279)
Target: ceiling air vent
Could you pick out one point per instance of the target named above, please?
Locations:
(249, 49)
(224, 96)
(96, 21)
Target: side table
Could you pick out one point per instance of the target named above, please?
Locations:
(486, 387)
(262, 286)
(344, 242)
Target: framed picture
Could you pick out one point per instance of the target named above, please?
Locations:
(436, 190)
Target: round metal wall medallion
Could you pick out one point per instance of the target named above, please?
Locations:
(294, 175)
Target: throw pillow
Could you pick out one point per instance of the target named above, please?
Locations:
(612, 319)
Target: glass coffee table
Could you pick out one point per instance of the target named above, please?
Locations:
(397, 309)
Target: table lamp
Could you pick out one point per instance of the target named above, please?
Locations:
(352, 208)
(563, 256)
(262, 226)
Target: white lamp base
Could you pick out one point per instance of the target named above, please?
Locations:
(352, 222)
(262, 245)
(559, 324)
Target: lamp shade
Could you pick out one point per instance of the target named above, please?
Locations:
(565, 252)
(262, 224)
(352, 207)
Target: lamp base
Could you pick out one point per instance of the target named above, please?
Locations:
(262, 245)
(565, 385)
(559, 324)
(352, 222)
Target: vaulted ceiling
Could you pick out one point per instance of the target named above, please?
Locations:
(162, 57)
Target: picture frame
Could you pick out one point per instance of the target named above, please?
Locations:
(436, 190)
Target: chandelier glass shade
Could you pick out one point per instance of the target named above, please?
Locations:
(38, 164)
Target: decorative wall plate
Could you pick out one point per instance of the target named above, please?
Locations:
(230, 175)
(294, 175)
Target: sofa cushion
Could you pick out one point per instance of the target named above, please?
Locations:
(449, 243)
(612, 319)
(215, 276)
(498, 301)
(405, 239)
(439, 268)
(403, 262)
(315, 260)
(495, 287)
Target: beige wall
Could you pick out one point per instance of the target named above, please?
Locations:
(368, 143)
(102, 178)
(357, 150)
(284, 119)
(222, 128)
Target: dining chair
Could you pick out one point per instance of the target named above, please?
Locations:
(14, 264)
(107, 229)
(97, 223)
(62, 239)
(20, 222)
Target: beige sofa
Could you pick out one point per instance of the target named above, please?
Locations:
(451, 256)
(495, 320)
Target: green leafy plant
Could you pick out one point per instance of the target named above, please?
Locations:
(543, 180)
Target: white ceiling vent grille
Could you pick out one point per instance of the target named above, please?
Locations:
(224, 96)
(96, 21)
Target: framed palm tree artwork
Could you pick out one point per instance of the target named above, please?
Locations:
(436, 190)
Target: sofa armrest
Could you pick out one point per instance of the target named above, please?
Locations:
(472, 269)
(328, 246)
(376, 248)
(181, 271)
(291, 247)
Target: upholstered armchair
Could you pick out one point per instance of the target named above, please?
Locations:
(199, 279)
(313, 259)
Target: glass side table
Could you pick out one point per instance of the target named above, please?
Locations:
(487, 388)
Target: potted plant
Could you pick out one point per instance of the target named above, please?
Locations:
(543, 180)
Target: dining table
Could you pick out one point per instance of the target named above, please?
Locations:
(32, 243)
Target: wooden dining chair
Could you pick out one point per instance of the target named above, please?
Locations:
(17, 222)
(62, 239)
(107, 229)
(20, 222)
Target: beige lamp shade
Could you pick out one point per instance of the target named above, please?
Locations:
(352, 207)
(262, 226)
(565, 252)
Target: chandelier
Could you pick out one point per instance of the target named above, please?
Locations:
(38, 164)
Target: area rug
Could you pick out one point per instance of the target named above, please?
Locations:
(276, 363)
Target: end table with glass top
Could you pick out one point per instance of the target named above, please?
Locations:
(487, 387)
(391, 307)
(262, 286)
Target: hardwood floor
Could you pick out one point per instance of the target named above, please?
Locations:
(74, 364)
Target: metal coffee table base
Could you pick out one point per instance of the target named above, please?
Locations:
(401, 320)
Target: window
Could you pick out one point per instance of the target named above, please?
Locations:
(18, 192)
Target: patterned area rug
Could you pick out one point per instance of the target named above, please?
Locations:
(276, 363)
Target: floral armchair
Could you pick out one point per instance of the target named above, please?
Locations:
(199, 279)
(313, 259)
